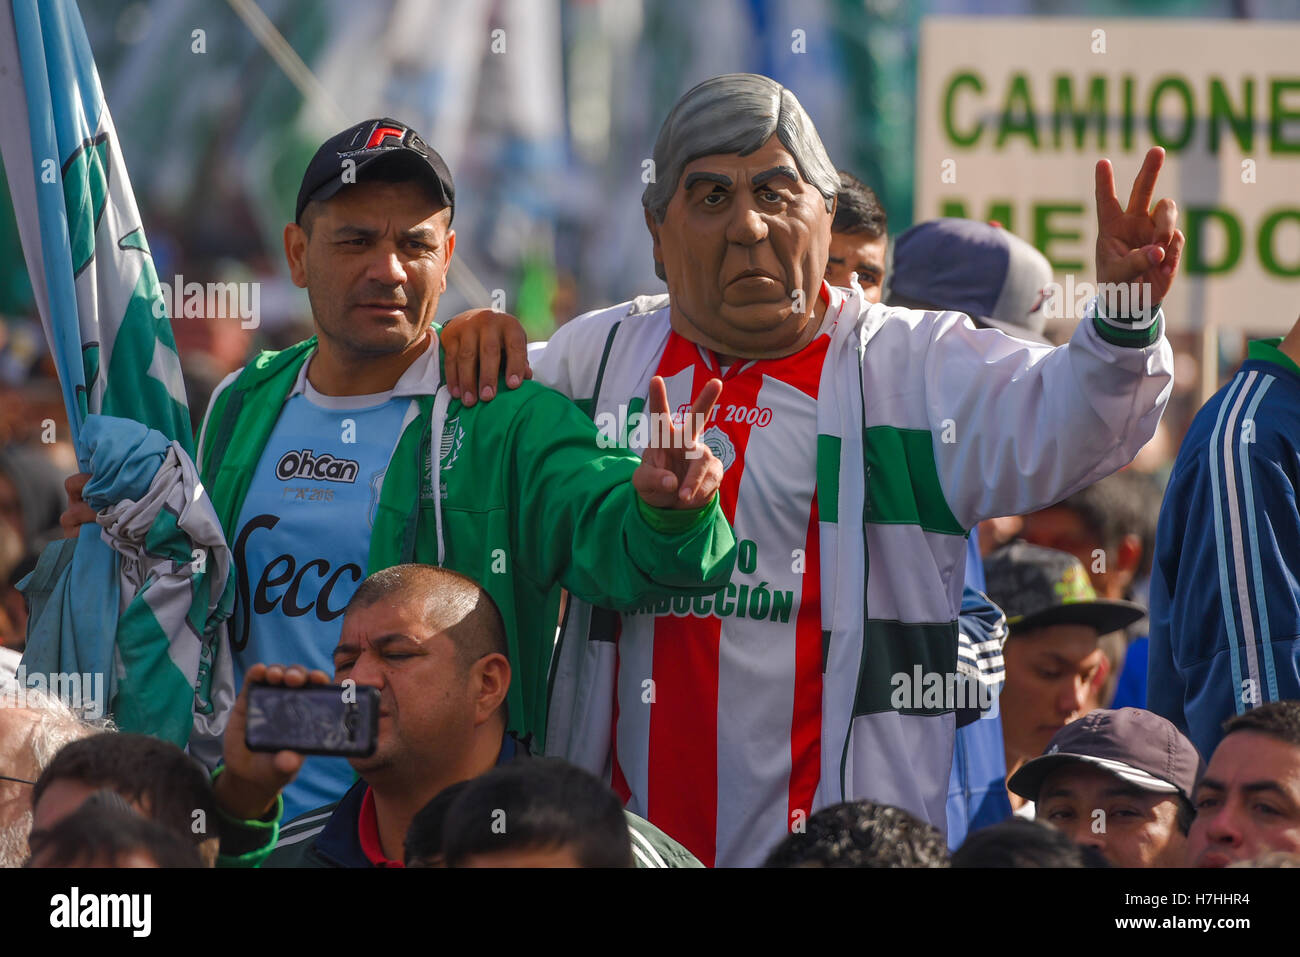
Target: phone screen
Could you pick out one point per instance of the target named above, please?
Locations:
(315, 719)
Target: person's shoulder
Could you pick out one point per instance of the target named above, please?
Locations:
(263, 366)
(591, 328)
(652, 847)
(1260, 403)
(293, 848)
(531, 406)
(901, 324)
(1273, 393)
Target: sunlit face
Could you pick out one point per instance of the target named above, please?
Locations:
(1049, 671)
(1248, 801)
(374, 265)
(1129, 826)
(857, 253)
(744, 244)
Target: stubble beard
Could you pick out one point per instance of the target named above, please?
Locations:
(13, 841)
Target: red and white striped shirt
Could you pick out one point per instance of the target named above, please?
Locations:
(721, 748)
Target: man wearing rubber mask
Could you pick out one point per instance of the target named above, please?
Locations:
(860, 443)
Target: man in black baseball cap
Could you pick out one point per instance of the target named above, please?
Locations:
(1052, 654)
(1120, 781)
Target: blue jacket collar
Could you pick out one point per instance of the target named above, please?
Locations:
(339, 842)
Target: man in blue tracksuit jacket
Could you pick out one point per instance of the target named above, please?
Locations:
(1225, 594)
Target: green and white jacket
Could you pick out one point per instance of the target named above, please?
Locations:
(926, 426)
(527, 501)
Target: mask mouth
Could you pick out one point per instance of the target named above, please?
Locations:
(753, 274)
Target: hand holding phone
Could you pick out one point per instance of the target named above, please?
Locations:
(250, 782)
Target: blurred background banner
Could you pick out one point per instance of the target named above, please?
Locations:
(1013, 114)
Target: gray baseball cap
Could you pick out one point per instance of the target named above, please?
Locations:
(981, 269)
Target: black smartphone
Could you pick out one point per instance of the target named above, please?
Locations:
(313, 719)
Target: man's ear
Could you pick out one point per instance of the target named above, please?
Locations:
(490, 678)
(1128, 554)
(446, 266)
(295, 252)
(1099, 677)
(652, 224)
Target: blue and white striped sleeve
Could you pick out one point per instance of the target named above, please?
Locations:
(1225, 597)
(981, 633)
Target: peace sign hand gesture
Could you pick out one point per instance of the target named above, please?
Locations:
(676, 471)
(1137, 245)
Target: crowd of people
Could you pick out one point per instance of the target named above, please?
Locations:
(818, 559)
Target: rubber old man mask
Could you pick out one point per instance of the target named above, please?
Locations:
(743, 238)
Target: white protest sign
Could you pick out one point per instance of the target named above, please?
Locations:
(1013, 113)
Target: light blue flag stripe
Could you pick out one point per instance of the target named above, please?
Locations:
(45, 43)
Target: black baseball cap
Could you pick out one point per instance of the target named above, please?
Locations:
(384, 142)
(1137, 746)
(1037, 587)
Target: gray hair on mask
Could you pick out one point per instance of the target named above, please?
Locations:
(736, 113)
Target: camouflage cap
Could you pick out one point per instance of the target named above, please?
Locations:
(1038, 587)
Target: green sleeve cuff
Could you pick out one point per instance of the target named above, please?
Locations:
(1115, 331)
(673, 521)
(247, 843)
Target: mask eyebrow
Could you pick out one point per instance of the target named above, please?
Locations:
(773, 173)
(720, 179)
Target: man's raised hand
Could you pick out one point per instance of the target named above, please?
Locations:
(675, 470)
(1138, 244)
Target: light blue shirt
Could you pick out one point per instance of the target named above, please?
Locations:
(303, 543)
